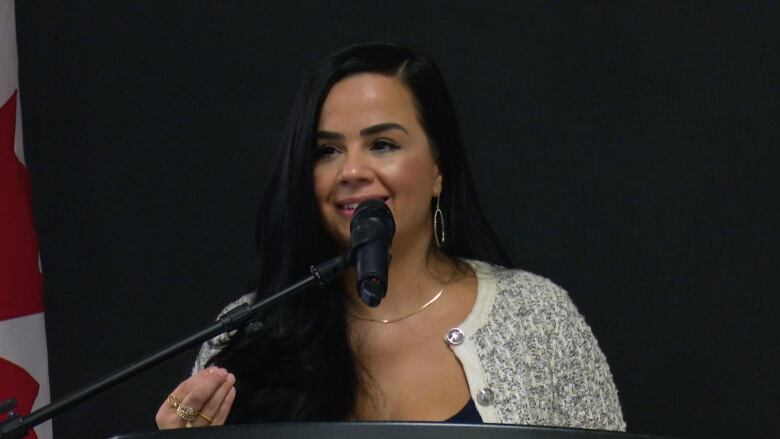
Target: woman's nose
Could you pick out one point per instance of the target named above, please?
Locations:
(355, 168)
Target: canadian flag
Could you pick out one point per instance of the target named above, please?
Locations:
(24, 370)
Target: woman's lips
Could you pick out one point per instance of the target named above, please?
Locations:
(347, 208)
(347, 213)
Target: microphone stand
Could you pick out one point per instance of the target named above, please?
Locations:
(16, 427)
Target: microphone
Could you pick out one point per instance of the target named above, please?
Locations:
(372, 229)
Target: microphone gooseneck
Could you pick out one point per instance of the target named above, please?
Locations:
(372, 229)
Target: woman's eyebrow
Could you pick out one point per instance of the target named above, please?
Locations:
(374, 129)
(382, 127)
(330, 135)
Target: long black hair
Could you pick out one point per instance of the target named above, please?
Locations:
(299, 366)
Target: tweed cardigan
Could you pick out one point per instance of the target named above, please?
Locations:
(528, 355)
(530, 358)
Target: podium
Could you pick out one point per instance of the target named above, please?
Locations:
(382, 430)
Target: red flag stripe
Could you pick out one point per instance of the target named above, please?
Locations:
(21, 288)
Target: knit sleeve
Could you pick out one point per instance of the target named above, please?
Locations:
(211, 348)
(584, 392)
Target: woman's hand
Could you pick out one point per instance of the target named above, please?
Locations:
(204, 398)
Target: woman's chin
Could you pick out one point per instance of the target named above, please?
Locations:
(343, 242)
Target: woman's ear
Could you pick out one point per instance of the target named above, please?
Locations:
(437, 182)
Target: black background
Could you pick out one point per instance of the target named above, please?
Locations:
(626, 150)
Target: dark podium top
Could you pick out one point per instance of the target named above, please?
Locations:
(383, 430)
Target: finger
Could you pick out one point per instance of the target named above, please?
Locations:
(193, 392)
(162, 418)
(216, 400)
(166, 416)
(203, 388)
(224, 410)
(196, 380)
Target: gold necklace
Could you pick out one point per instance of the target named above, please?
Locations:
(369, 319)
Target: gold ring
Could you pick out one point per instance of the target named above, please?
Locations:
(209, 420)
(173, 401)
(187, 414)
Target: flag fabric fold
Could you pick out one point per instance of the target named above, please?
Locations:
(24, 370)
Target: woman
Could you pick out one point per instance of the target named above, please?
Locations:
(457, 336)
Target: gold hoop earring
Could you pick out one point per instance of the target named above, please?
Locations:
(438, 226)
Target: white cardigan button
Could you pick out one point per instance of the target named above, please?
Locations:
(455, 336)
(485, 396)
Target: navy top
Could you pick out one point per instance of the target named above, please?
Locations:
(467, 415)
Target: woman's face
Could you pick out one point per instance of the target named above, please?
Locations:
(371, 145)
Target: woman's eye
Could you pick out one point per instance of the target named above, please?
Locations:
(325, 151)
(384, 145)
